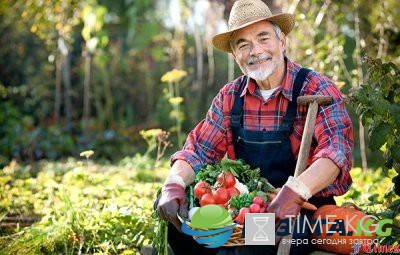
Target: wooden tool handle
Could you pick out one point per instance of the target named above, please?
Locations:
(306, 139)
(284, 245)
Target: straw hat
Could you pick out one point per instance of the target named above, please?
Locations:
(247, 12)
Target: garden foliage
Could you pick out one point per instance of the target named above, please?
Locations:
(378, 103)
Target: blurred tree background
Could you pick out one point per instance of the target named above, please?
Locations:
(129, 79)
(86, 74)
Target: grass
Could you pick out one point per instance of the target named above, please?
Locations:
(86, 208)
(89, 208)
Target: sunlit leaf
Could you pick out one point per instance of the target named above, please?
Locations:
(87, 153)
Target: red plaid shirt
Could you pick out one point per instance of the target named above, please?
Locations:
(211, 139)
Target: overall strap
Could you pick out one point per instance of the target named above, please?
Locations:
(297, 86)
(237, 110)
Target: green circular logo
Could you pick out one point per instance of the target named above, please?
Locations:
(211, 216)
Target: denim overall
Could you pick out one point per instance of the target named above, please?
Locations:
(271, 152)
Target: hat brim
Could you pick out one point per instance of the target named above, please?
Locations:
(284, 20)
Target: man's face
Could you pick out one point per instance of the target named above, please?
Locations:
(258, 51)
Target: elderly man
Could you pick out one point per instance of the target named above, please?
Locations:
(256, 118)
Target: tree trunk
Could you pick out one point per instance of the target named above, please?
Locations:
(363, 151)
(100, 111)
(215, 13)
(150, 94)
(86, 94)
(292, 7)
(383, 41)
(211, 65)
(57, 101)
(66, 71)
(65, 50)
(109, 101)
(199, 71)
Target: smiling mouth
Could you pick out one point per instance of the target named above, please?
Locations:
(260, 61)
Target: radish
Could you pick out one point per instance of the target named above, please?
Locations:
(254, 208)
(258, 200)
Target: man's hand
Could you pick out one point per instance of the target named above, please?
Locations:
(305, 205)
(172, 200)
(287, 202)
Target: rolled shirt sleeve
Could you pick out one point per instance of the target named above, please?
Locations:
(334, 134)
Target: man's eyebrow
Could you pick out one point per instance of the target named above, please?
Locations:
(263, 33)
(241, 40)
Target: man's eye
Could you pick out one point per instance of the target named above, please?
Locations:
(242, 46)
(264, 39)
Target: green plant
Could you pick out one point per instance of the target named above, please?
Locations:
(377, 103)
(160, 241)
(10, 119)
(156, 139)
(84, 208)
(172, 78)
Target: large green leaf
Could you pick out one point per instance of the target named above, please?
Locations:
(395, 113)
(385, 83)
(395, 204)
(378, 135)
(397, 189)
(379, 105)
(395, 152)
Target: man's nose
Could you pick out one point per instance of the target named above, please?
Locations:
(256, 49)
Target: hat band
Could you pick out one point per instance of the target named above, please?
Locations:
(247, 21)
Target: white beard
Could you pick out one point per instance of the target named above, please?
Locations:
(261, 74)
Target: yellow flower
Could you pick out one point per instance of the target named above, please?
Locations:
(340, 84)
(86, 154)
(128, 252)
(150, 133)
(34, 28)
(175, 100)
(174, 75)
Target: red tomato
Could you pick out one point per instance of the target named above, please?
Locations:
(254, 208)
(226, 179)
(232, 191)
(258, 200)
(263, 210)
(221, 195)
(202, 188)
(241, 216)
(239, 219)
(207, 199)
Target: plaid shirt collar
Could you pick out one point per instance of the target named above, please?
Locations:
(286, 86)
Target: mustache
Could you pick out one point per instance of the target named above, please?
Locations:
(261, 57)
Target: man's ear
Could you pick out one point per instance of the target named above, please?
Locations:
(282, 40)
